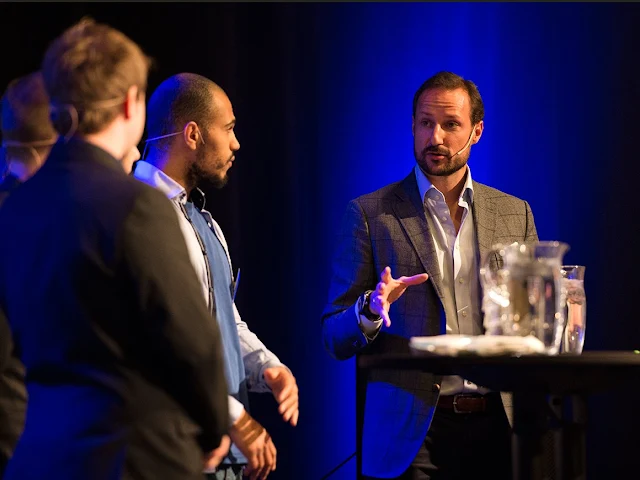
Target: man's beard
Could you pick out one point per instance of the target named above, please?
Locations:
(218, 181)
(451, 165)
(197, 174)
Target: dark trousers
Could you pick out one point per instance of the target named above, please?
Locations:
(465, 446)
(227, 472)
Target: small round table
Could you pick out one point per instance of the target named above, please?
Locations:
(541, 385)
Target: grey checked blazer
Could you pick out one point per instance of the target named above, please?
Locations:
(389, 227)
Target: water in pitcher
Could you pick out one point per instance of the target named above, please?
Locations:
(534, 304)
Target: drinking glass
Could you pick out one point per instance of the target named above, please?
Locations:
(576, 308)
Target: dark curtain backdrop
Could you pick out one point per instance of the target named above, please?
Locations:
(323, 92)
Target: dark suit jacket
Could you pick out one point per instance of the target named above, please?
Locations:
(13, 394)
(389, 227)
(124, 363)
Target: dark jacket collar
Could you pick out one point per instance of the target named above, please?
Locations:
(78, 150)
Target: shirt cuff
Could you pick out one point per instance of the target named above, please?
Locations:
(271, 364)
(235, 409)
(368, 327)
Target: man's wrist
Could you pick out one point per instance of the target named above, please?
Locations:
(365, 311)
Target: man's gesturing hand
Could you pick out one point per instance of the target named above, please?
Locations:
(388, 290)
(285, 390)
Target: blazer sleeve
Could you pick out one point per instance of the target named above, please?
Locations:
(181, 343)
(531, 234)
(353, 274)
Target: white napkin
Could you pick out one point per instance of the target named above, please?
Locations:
(479, 345)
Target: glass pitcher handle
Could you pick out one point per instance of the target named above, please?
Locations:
(493, 297)
(487, 274)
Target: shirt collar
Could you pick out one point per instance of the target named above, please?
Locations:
(424, 185)
(152, 175)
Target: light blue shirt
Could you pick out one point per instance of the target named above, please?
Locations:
(256, 356)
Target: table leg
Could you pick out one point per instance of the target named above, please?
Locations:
(529, 424)
(571, 439)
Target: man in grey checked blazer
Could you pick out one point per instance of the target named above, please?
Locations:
(426, 234)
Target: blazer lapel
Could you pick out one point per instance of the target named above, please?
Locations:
(484, 219)
(409, 210)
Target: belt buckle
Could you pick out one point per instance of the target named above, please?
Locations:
(455, 403)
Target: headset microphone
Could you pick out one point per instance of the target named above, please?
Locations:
(466, 146)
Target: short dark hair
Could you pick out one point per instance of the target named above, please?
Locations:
(179, 99)
(451, 81)
(25, 111)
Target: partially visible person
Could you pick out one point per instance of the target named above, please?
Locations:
(27, 132)
(191, 138)
(27, 137)
(99, 292)
(13, 395)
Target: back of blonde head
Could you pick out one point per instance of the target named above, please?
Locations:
(89, 69)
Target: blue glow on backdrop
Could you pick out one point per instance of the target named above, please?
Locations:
(544, 72)
(323, 95)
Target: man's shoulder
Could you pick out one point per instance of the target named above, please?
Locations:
(146, 193)
(122, 188)
(142, 203)
(381, 196)
(503, 203)
(382, 192)
(121, 191)
(94, 188)
(494, 194)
